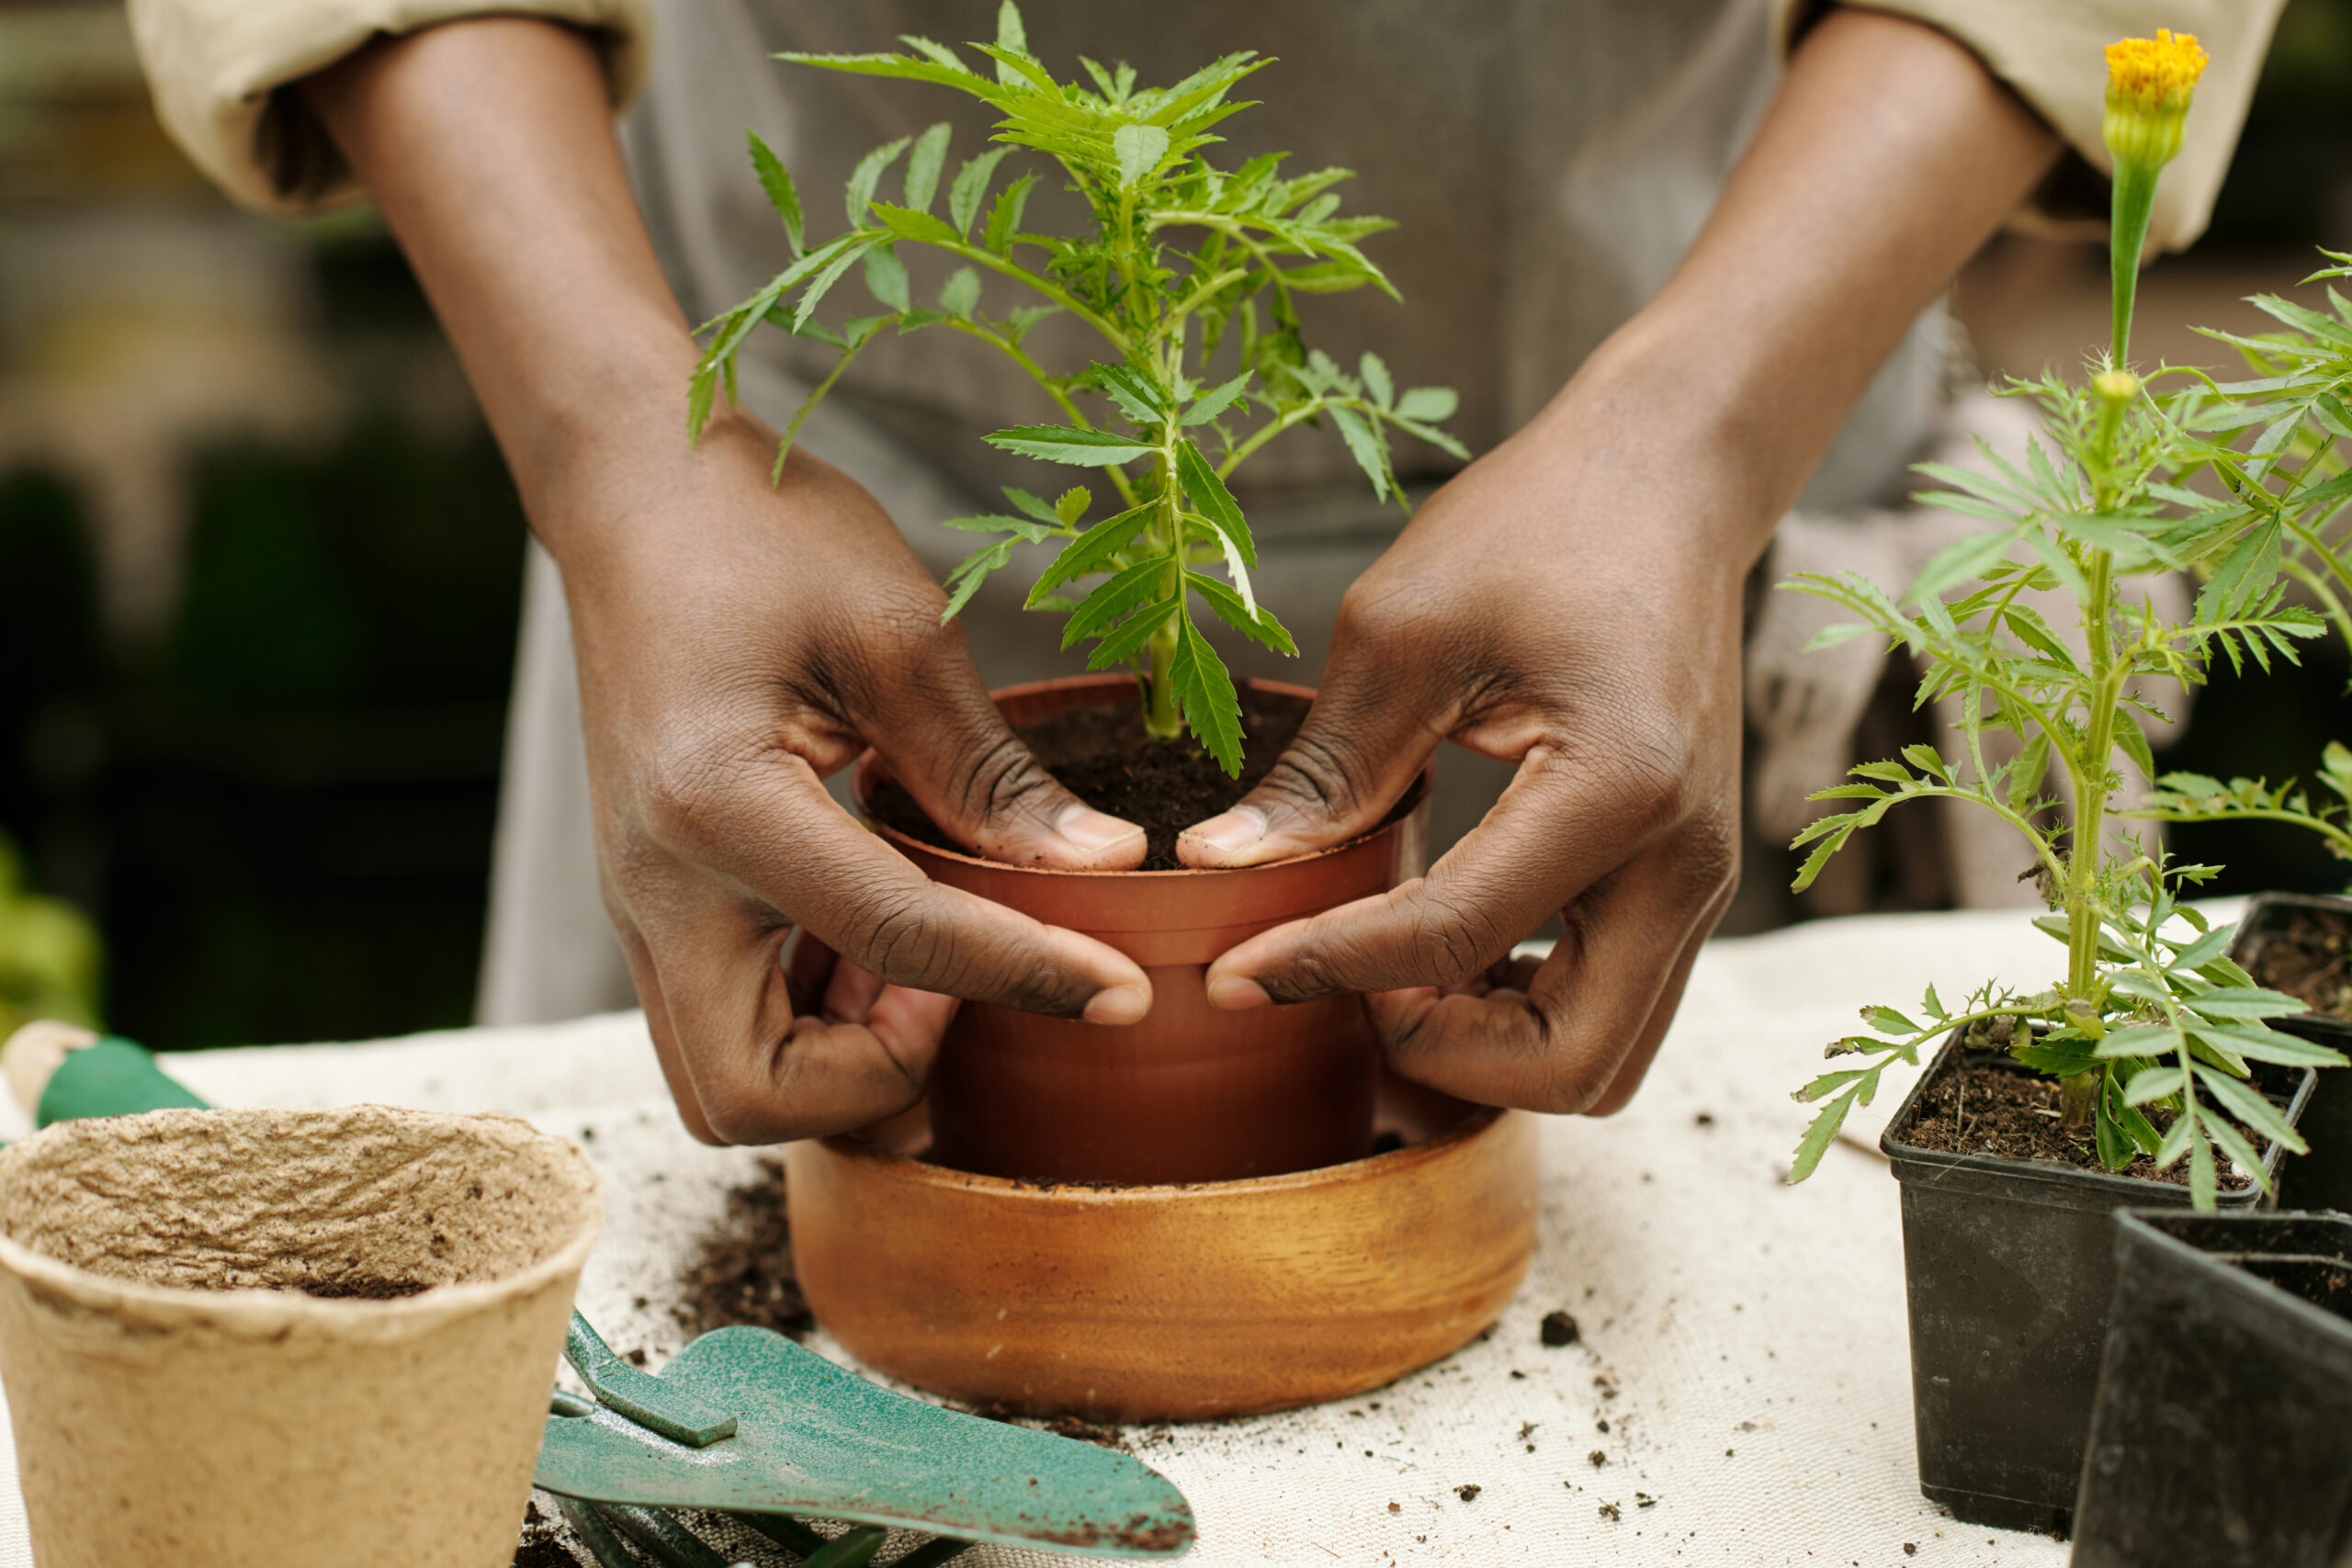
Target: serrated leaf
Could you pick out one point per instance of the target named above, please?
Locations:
(2231, 1002)
(1213, 500)
(1886, 1021)
(1092, 550)
(832, 272)
(965, 580)
(1071, 504)
(908, 224)
(1135, 394)
(924, 164)
(2156, 1083)
(1215, 400)
(1255, 622)
(1064, 444)
(886, 278)
(971, 187)
(866, 176)
(1004, 218)
(1115, 597)
(1370, 453)
(2240, 1101)
(998, 522)
(782, 195)
(1212, 707)
(1818, 1135)
(1376, 380)
(1139, 148)
(960, 295)
(1961, 560)
(1127, 640)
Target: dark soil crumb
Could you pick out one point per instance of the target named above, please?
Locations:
(1103, 754)
(1704, 1119)
(2305, 959)
(1598, 1457)
(1644, 1500)
(1559, 1329)
(636, 1356)
(1396, 1508)
(1082, 1430)
(742, 1271)
(1602, 1424)
(364, 1288)
(1910, 1548)
(1989, 1109)
(1611, 1512)
(541, 1545)
(1468, 1493)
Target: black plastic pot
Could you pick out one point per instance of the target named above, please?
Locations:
(2220, 1436)
(2322, 1178)
(2010, 1269)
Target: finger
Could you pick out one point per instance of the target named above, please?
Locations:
(951, 747)
(646, 980)
(1583, 1032)
(1362, 744)
(1558, 829)
(765, 824)
(902, 1020)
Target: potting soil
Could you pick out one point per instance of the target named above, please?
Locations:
(1108, 761)
(2305, 958)
(1987, 1109)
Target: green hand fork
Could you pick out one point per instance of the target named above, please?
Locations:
(747, 1422)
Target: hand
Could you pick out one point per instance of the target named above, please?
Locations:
(1549, 607)
(737, 643)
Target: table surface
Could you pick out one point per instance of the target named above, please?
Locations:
(1741, 1393)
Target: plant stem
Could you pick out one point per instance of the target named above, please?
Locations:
(1163, 719)
(2077, 1100)
(2135, 195)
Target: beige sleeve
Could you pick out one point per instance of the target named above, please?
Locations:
(216, 68)
(2051, 53)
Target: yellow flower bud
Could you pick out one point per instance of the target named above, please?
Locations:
(2149, 84)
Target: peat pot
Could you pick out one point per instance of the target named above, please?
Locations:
(1190, 1093)
(2322, 1178)
(1168, 1302)
(2219, 1438)
(2009, 1267)
(180, 1395)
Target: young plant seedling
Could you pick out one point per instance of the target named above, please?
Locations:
(1178, 259)
(2152, 1015)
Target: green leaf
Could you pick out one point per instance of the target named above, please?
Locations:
(1927, 759)
(960, 295)
(1256, 622)
(923, 165)
(2115, 1149)
(1370, 453)
(777, 182)
(1886, 1021)
(971, 187)
(1031, 507)
(2258, 1045)
(1376, 381)
(2240, 1101)
(1138, 397)
(1961, 560)
(1115, 597)
(1071, 504)
(886, 278)
(822, 285)
(966, 579)
(2201, 1184)
(1062, 443)
(2133, 742)
(1004, 218)
(2156, 1083)
(1214, 502)
(1212, 707)
(1139, 148)
(2246, 1001)
(1011, 36)
(1133, 633)
(2060, 1059)
(1217, 399)
(998, 522)
(866, 176)
(2234, 1145)
(1092, 550)
(2138, 1040)
(1429, 404)
(1819, 1134)
(908, 224)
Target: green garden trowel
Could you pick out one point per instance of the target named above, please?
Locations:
(747, 1422)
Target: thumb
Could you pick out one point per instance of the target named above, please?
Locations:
(948, 745)
(1362, 746)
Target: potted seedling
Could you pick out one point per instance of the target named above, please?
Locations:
(1190, 276)
(2147, 1072)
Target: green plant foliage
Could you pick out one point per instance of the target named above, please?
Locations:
(1180, 260)
(49, 955)
(2241, 483)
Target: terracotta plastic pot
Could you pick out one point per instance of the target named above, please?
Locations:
(1190, 1093)
(1150, 1303)
(178, 1397)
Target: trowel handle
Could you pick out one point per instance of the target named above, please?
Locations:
(62, 1073)
(639, 1395)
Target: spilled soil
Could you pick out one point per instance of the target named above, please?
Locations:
(741, 1272)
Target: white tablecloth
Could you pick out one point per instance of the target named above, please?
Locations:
(1743, 1340)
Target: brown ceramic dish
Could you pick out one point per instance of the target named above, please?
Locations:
(1190, 1094)
(1168, 1302)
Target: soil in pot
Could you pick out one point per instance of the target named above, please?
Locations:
(2220, 1437)
(1988, 1108)
(1104, 758)
(2009, 1269)
(2302, 954)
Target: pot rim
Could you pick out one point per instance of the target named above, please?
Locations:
(869, 770)
(252, 1312)
(1476, 1121)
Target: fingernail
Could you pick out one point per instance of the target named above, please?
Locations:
(1235, 830)
(1232, 993)
(1093, 830)
(1119, 1005)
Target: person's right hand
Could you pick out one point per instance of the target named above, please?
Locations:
(738, 643)
(738, 640)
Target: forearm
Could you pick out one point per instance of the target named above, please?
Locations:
(1887, 158)
(489, 146)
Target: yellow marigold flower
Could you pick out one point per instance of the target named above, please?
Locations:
(2149, 84)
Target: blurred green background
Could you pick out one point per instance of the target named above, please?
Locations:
(259, 561)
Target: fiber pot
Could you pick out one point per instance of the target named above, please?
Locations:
(2010, 1271)
(179, 1396)
(2322, 1178)
(2220, 1437)
(1153, 1304)
(1190, 1093)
